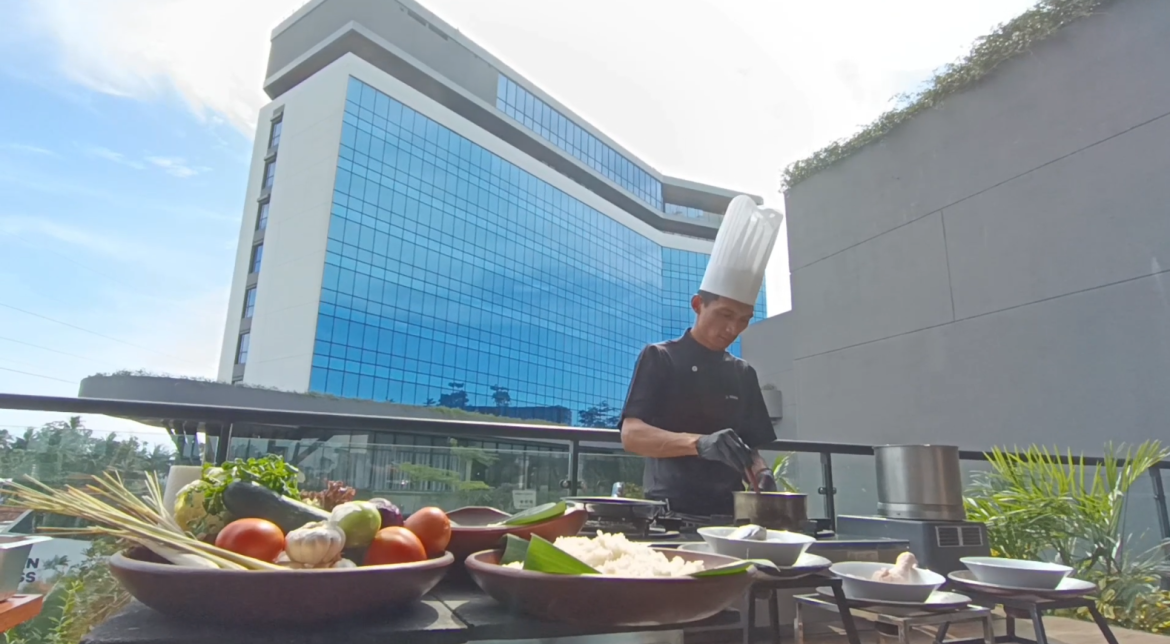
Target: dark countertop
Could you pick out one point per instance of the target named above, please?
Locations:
(454, 613)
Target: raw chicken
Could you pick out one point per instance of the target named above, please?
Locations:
(749, 532)
(904, 570)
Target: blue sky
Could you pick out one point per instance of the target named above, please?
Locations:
(126, 128)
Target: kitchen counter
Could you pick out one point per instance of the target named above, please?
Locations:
(454, 613)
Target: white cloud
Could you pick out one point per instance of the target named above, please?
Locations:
(63, 233)
(174, 166)
(722, 92)
(211, 53)
(115, 157)
(29, 149)
(177, 167)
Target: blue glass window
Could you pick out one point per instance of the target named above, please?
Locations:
(269, 174)
(274, 134)
(249, 302)
(242, 349)
(262, 217)
(687, 211)
(257, 255)
(554, 127)
(450, 271)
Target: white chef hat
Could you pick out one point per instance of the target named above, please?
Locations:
(742, 248)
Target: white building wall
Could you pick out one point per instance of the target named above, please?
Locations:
(289, 287)
(231, 332)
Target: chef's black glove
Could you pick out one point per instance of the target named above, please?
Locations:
(725, 446)
(765, 481)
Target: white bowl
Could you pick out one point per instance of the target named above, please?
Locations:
(781, 548)
(857, 582)
(1016, 573)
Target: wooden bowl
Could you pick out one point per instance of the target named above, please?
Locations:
(252, 597)
(602, 601)
(473, 534)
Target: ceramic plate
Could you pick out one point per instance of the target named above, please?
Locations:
(1069, 587)
(807, 564)
(939, 600)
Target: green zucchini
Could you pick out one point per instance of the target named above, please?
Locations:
(245, 500)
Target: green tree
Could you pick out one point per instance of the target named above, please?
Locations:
(501, 396)
(63, 451)
(600, 416)
(456, 398)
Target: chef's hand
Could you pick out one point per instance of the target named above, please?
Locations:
(725, 446)
(765, 481)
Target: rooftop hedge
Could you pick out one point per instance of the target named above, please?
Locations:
(1009, 40)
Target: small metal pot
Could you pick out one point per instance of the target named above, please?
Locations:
(772, 510)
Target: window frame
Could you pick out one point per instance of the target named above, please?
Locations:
(256, 258)
(262, 216)
(243, 347)
(249, 303)
(269, 176)
(274, 133)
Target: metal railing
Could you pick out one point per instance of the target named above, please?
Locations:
(218, 421)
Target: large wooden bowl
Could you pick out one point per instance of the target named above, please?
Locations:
(601, 601)
(276, 597)
(471, 532)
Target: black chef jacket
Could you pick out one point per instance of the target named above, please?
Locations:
(682, 386)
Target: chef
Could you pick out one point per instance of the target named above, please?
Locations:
(694, 410)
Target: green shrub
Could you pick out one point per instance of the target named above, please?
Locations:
(84, 597)
(1038, 508)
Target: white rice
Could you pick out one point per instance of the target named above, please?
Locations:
(613, 554)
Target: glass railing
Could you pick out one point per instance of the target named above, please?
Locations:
(413, 462)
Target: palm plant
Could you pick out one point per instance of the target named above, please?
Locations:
(1040, 506)
(780, 472)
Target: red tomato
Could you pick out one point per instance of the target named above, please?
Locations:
(254, 538)
(433, 528)
(394, 545)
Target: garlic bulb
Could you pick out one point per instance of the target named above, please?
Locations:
(315, 543)
(344, 563)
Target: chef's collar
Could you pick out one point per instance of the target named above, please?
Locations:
(688, 340)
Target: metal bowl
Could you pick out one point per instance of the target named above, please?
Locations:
(858, 583)
(613, 507)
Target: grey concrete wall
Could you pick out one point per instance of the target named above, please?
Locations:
(994, 272)
(769, 345)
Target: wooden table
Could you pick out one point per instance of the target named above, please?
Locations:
(19, 609)
(454, 613)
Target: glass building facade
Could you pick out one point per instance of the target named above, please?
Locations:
(556, 128)
(451, 273)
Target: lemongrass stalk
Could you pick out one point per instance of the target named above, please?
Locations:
(74, 502)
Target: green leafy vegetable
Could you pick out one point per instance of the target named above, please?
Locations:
(270, 471)
(737, 568)
(539, 514)
(543, 556)
(515, 549)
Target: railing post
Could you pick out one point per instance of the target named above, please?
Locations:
(1163, 515)
(222, 444)
(574, 465)
(827, 489)
(1160, 502)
